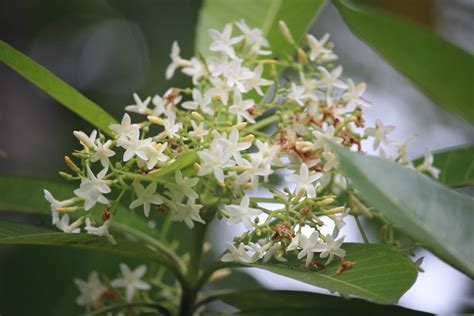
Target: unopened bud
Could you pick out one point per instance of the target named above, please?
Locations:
(155, 120)
(286, 32)
(71, 164)
(326, 201)
(240, 125)
(301, 55)
(65, 175)
(82, 137)
(219, 274)
(335, 210)
(248, 138)
(68, 209)
(197, 116)
(197, 167)
(269, 62)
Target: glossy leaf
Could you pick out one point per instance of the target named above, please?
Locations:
(55, 87)
(381, 274)
(456, 165)
(442, 70)
(438, 218)
(23, 194)
(263, 14)
(15, 233)
(268, 302)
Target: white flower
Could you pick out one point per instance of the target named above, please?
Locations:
(427, 165)
(240, 108)
(298, 94)
(134, 146)
(223, 41)
(236, 75)
(131, 280)
(295, 242)
(91, 290)
(269, 153)
(55, 204)
(380, 133)
(257, 81)
(254, 37)
(256, 167)
(331, 248)
(338, 221)
(214, 160)
(64, 225)
(146, 197)
(86, 141)
(233, 144)
(102, 230)
(304, 181)
(242, 213)
(354, 94)
(171, 128)
(92, 188)
(199, 102)
(183, 186)
(331, 79)
(199, 131)
(236, 254)
(102, 152)
(196, 70)
(401, 146)
(317, 48)
(140, 107)
(155, 155)
(125, 129)
(274, 251)
(189, 213)
(322, 138)
(309, 246)
(330, 161)
(176, 61)
(220, 90)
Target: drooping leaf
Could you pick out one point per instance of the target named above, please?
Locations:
(433, 215)
(55, 87)
(456, 165)
(24, 194)
(13, 233)
(442, 70)
(381, 274)
(271, 302)
(263, 14)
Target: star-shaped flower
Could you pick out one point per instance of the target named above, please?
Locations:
(236, 254)
(146, 197)
(140, 107)
(199, 102)
(331, 248)
(92, 189)
(223, 42)
(240, 108)
(90, 291)
(309, 246)
(380, 133)
(55, 204)
(125, 129)
(304, 181)
(427, 165)
(131, 280)
(242, 213)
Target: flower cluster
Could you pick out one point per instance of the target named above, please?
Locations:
(243, 128)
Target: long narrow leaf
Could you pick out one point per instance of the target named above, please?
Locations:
(442, 70)
(55, 87)
(437, 217)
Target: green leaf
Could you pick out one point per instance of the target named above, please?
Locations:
(443, 71)
(55, 87)
(263, 14)
(24, 194)
(381, 274)
(438, 218)
(183, 161)
(456, 165)
(23, 234)
(270, 302)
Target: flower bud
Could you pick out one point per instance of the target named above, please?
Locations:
(71, 164)
(286, 32)
(155, 120)
(65, 175)
(240, 126)
(301, 55)
(197, 116)
(197, 167)
(248, 138)
(326, 201)
(82, 137)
